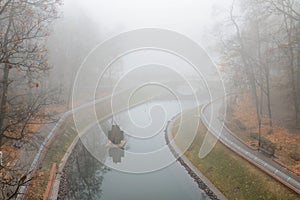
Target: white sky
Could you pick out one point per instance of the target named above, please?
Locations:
(186, 16)
(193, 18)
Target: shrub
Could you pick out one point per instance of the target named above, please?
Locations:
(240, 124)
(295, 156)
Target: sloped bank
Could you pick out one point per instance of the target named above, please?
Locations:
(202, 182)
(235, 177)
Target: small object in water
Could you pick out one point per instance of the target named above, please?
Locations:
(116, 137)
(121, 145)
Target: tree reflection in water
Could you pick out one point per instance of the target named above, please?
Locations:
(82, 177)
(83, 174)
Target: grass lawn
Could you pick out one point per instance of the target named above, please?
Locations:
(232, 175)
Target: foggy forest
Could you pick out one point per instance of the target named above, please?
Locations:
(149, 99)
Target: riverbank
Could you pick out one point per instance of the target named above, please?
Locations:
(64, 135)
(72, 181)
(231, 174)
(202, 182)
(55, 151)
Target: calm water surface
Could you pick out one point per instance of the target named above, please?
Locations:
(144, 128)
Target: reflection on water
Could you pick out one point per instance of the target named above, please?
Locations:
(116, 154)
(144, 132)
(83, 176)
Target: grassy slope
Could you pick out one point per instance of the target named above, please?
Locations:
(232, 175)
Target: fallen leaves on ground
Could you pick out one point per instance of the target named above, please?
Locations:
(287, 143)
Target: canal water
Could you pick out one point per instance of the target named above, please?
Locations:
(114, 176)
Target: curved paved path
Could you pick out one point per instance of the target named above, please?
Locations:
(213, 122)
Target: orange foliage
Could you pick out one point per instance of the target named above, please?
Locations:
(10, 153)
(244, 110)
(286, 142)
(297, 168)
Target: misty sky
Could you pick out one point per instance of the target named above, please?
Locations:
(186, 16)
(193, 18)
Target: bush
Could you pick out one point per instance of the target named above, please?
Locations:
(267, 142)
(254, 136)
(266, 145)
(263, 140)
(295, 156)
(240, 125)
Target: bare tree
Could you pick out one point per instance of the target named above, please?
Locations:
(23, 61)
(11, 180)
(263, 53)
(23, 71)
(247, 65)
(290, 12)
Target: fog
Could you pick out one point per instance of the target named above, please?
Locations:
(85, 24)
(230, 67)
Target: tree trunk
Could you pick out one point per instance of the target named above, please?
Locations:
(249, 72)
(289, 26)
(254, 94)
(269, 97)
(3, 104)
(5, 81)
(261, 98)
(298, 72)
